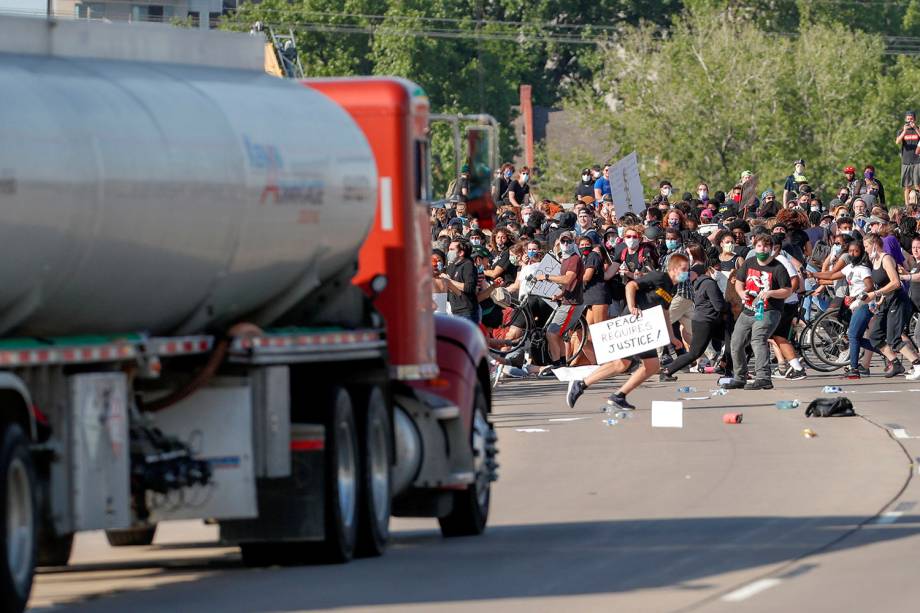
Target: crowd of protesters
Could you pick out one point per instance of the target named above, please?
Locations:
(735, 271)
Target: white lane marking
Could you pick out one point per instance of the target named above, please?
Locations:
(567, 418)
(888, 518)
(750, 590)
(902, 433)
(530, 430)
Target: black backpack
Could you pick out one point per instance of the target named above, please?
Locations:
(830, 407)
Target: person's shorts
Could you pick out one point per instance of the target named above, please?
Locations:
(784, 328)
(910, 175)
(564, 317)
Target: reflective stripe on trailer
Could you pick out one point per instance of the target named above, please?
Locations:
(69, 355)
(309, 444)
(293, 341)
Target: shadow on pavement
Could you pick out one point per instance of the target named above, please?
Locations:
(525, 561)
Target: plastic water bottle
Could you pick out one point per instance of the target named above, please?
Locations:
(787, 404)
(758, 310)
(725, 380)
(621, 415)
(611, 422)
(718, 392)
(686, 390)
(832, 389)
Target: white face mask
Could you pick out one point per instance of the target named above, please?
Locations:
(728, 247)
(836, 249)
(524, 178)
(703, 194)
(631, 243)
(666, 191)
(525, 217)
(585, 177)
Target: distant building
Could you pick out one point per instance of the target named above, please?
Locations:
(201, 13)
(559, 131)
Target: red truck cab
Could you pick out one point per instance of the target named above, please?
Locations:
(393, 113)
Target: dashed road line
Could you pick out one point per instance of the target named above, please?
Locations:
(751, 589)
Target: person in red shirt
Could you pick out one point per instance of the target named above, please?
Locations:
(569, 297)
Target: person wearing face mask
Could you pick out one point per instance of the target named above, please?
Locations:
(570, 297)
(655, 289)
(794, 180)
(519, 192)
(462, 278)
(596, 299)
(501, 265)
(759, 280)
(665, 190)
(789, 364)
(912, 276)
(892, 313)
(503, 184)
(585, 187)
(870, 188)
(634, 257)
(702, 192)
(681, 308)
(706, 321)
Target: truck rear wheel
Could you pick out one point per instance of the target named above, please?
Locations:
(376, 489)
(342, 480)
(18, 519)
(131, 537)
(471, 506)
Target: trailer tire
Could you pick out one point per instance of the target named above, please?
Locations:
(54, 550)
(131, 537)
(18, 519)
(341, 481)
(470, 511)
(376, 488)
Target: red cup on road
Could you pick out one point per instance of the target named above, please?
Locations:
(732, 418)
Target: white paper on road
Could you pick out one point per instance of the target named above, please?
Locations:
(529, 430)
(667, 414)
(578, 373)
(567, 418)
(626, 186)
(548, 266)
(628, 335)
(697, 398)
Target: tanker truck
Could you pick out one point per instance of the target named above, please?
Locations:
(183, 334)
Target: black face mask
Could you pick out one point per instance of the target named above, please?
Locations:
(781, 236)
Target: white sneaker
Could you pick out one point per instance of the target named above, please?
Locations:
(913, 375)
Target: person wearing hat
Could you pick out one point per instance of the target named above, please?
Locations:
(768, 207)
(849, 174)
(585, 187)
(570, 296)
(908, 138)
(794, 180)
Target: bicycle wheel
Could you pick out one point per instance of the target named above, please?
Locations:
(581, 330)
(501, 342)
(805, 348)
(830, 342)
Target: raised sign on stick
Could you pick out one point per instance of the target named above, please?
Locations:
(628, 335)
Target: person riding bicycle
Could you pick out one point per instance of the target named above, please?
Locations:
(569, 297)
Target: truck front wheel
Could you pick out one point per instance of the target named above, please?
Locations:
(18, 519)
(471, 506)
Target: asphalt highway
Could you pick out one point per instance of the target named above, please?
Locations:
(591, 517)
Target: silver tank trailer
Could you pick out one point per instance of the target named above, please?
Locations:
(168, 198)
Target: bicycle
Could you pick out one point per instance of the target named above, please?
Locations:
(533, 333)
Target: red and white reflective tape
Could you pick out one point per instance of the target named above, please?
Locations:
(181, 345)
(68, 355)
(308, 340)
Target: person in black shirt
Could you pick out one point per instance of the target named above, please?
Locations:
(908, 139)
(501, 266)
(585, 187)
(654, 289)
(595, 296)
(760, 279)
(519, 191)
(461, 277)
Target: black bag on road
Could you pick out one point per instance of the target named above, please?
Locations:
(830, 407)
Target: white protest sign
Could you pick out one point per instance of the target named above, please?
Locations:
(626, 186)
(440, 302)
(548, 266)
(624, 336)
(667, 414)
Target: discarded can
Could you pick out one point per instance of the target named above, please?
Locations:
(686, 390)
(732, 418)
(832, 389)
(809, 433)
(718, 392)
(611, 422)
(787, 404)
